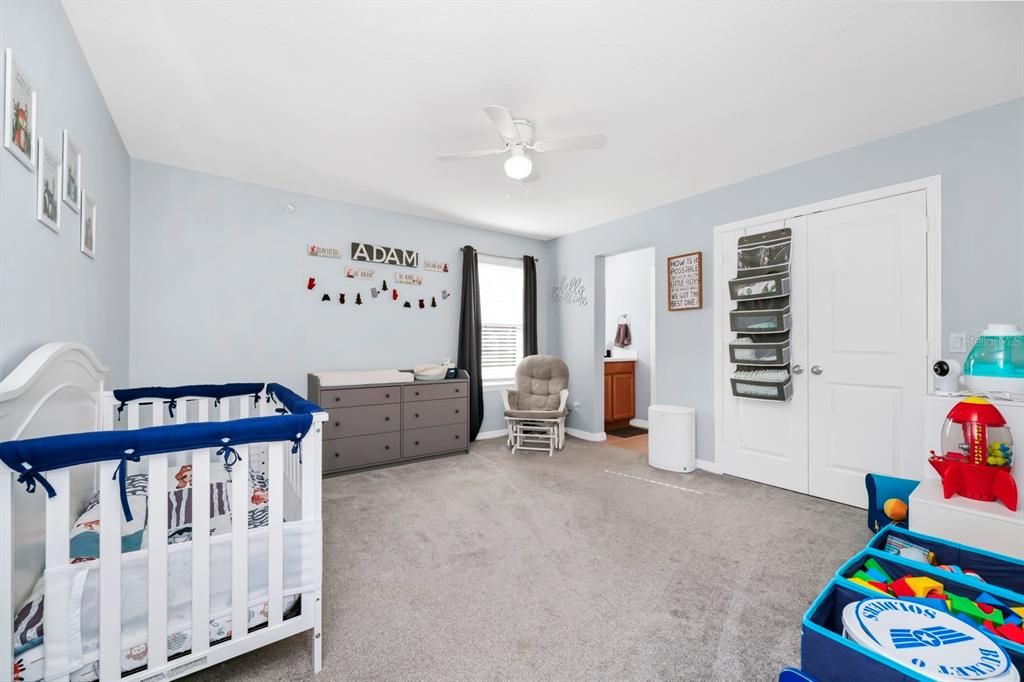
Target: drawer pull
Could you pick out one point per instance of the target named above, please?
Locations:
(387, 447)
(456, 411)
(416, 443)
(337, 423)
(417, 392)
(387, 419)
(336, 454)
(456, 437)
(387, 395)
(337, 399)
(456, 390)
(417, 415)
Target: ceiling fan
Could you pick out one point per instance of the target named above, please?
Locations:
(517, 136)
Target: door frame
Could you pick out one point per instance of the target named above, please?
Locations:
(932, 186)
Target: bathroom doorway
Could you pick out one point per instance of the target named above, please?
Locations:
(628, 346)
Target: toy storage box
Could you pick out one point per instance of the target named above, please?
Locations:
(997, 570)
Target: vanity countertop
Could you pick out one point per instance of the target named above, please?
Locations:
(620, 359)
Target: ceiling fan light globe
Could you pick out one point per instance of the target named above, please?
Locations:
(518, 166)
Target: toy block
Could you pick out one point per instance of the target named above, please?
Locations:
(882, 587)
(863, 575)
(922, 585)
(1014, 633)
(990, 627)
(931, 602)
(1019, 610)
(963, 605)
(876, 576)
(1013, 619)
(900, 588)
(865, 583)
(986, 598)
(872, 565)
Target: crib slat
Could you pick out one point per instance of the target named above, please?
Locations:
(6, 571)
(133, 415)
(157, 560)
(275, 529)
(240, 545)
(58, 520)
(243, 406)
(225, 410)
(110, 570)
(201, 546)
(181, 414)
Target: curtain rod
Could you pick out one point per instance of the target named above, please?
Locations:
(495, 255)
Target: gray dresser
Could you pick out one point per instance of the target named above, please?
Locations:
(386, 423)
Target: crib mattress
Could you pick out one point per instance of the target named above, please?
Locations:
(300, 571)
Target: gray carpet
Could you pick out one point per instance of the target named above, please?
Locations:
(494, 566)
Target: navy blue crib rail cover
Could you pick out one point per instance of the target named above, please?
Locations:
(172, 393)
(33, 456)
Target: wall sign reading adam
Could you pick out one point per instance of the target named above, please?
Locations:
(373, 253)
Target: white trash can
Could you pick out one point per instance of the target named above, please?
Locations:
(672, 438)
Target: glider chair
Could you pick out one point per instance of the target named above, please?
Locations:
(535, 409)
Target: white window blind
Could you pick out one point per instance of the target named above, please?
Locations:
(501, 317)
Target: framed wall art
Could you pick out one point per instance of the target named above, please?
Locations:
(71, 169)
(685, 282)
(88, 226)
(19, 113)
(48, 188)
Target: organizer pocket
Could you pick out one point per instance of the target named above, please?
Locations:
(760, 321)
(766, 249)
(766, 285)
(764, 384)
(764, 349)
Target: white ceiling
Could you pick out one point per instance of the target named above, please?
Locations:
(353, 100)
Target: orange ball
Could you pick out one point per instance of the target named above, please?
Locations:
(895, 509)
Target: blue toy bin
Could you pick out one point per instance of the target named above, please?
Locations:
(827, 656)
(898, 567)
(997, 570)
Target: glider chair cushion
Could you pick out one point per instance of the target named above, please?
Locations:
(540, 381)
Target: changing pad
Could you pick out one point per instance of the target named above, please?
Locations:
(364, 376)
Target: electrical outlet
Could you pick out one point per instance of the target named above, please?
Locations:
(958, 343)
(574, 406)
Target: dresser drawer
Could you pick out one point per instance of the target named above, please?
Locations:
(351, 397)
(422, 391)
(347, 453)
(434, 440)
(417, 415)
(361, 421)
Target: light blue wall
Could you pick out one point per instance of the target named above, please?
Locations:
(980, 157)
(627, 287)
(218, 284)
(49, 290)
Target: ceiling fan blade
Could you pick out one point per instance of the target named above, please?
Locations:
(564, 144)
(502, 120)
(470, 155)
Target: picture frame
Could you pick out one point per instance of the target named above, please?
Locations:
(685, 281)
(88, 226)
(19, 112)
(48, 188)
(71, 172)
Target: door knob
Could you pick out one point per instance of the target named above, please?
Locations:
(798, 369)
(816, 369)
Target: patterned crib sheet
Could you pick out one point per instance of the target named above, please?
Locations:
(84, 546)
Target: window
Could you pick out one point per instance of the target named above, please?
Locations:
(501, 317)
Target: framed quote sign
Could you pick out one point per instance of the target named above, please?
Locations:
(685, 282)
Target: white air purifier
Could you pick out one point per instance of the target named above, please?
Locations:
(672, 438)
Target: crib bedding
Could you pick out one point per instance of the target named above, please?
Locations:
(82, 574)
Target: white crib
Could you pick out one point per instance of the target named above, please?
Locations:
(58, 389)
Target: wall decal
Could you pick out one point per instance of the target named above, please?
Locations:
(358, 273)
(325, 297)
(445, 294)
(359, 299)
(407, 305)
(422, 304)
(341, 299)
(375, 292)
(435, 266)
(310, 283)
(385, 254)
(394, 294)
(408, 278)
(323, 251)
(570, 292)
(384, 285)
(433, 302)
(685, 287)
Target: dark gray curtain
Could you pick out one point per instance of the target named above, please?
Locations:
(469, 338)
(529, 306)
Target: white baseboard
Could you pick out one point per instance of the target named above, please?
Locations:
(586, 435)
(709, 466)
(638, 423)
(486, 435)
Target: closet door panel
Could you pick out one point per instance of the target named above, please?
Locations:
(866, 342)
(766, 441)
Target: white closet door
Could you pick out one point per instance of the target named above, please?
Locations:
(867, 342)
(766, 441)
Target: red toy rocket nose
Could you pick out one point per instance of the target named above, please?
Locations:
(311, 283)
(394, 294)
(975, 409)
